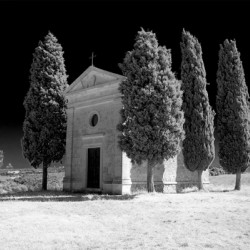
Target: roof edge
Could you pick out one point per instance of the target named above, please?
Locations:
(89, 69)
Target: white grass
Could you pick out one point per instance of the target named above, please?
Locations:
(207, 220)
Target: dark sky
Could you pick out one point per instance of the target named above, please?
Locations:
(108, 28)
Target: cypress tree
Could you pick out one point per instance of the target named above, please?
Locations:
(151, 118)
(198, 145)
(44, 126)
(233, 110)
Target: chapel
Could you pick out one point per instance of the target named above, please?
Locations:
(94, 161)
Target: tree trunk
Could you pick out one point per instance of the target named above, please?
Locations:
(200, 182)
(150, 178)
(45, 177)
(238, 179)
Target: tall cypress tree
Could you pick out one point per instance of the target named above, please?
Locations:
(198, 146)
(233, 110)
(44, 126)
(151, 119)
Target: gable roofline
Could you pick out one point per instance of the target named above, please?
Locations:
(87, 71)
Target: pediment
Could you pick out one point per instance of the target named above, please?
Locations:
(92, 77)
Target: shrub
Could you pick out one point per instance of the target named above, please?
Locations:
(215, 170)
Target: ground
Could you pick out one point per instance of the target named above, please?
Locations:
(219, 219)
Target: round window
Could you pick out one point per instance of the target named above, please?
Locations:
(94, 120)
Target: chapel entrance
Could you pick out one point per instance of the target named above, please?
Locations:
(93, 180)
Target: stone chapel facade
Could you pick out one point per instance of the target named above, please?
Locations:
(94, 161)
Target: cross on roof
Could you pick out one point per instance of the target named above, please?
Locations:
(92, 58)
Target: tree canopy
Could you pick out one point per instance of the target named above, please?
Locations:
(151, 118)
(198, 145)
(232, 103)
(44, 126)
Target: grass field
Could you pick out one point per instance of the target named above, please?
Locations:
(30, 180)
(219, 219)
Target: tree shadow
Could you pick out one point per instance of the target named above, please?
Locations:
(60, 196)
(222, 190)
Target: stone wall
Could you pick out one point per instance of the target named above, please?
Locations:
(170, 177)
(81, 135)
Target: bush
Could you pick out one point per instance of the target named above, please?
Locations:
(9, 166)
(215, 170)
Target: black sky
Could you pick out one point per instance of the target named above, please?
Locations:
(108, 28)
